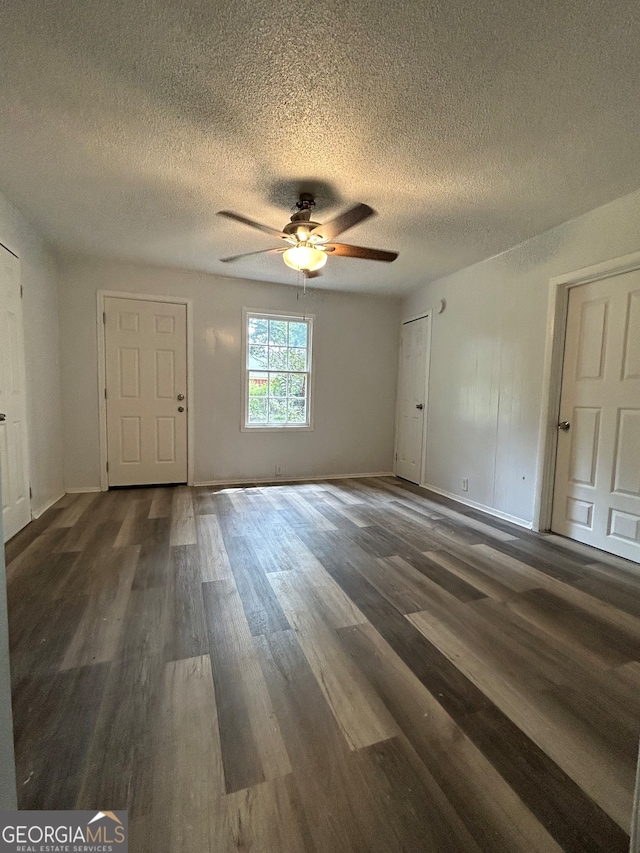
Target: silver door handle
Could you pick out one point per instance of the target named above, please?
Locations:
(180, 397)
(3, 417)
(565, 426)
(419, 406)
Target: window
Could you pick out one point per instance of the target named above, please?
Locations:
(277, 371)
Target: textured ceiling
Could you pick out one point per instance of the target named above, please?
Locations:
(469, 125)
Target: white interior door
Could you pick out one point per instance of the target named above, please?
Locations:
(597, 486)
(146, 390)
(412, 389)
(16, 503)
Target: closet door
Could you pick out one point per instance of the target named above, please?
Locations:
(14, 462)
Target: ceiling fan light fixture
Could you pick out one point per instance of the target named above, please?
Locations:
(305, 256)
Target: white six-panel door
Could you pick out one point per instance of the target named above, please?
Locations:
(146, 388)
(597, 486)
(16, 503)
(414, 352)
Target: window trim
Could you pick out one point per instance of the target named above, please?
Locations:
(276, 315)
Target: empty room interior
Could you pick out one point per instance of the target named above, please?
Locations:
(320, 423)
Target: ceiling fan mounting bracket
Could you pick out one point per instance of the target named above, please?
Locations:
(306, 202)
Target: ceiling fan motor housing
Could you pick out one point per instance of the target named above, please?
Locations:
(301, 225)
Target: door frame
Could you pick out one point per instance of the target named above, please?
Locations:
(559, 287)
(102, 375)
(428, 316)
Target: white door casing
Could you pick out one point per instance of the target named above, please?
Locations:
(145, 374)
(412, 402)
(597, 484)
(16, 503)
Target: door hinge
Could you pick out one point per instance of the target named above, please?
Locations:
(30, 492)
(21, 291)
(107, 466)
(105, 393)
(104, 317)
(396, 457)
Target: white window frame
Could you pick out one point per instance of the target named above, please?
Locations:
(276, 315)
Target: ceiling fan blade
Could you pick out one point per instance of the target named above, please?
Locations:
(348, 251)
(312, 273)
(250, 222)
(345, 220)
(259, 252)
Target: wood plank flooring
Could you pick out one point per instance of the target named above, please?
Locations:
(352, 666)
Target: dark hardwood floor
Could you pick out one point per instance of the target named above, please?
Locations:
(340, 667)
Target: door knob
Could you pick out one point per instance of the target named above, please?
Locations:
(181, 408)
(565, 426)
(3, 417)
(180, 396)
(419, 406)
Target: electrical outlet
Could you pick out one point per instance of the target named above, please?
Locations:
(278, 471)
(465, 484)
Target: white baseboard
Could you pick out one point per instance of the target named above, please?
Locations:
(83, 490)
(274, 480)
(41, 511)
(521, 522)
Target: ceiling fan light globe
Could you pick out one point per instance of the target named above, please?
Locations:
(305, 257)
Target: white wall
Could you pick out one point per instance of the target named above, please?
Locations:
(487, 356)
(40, 311)
(355, 356)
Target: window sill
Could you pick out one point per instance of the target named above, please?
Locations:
(283, 428)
